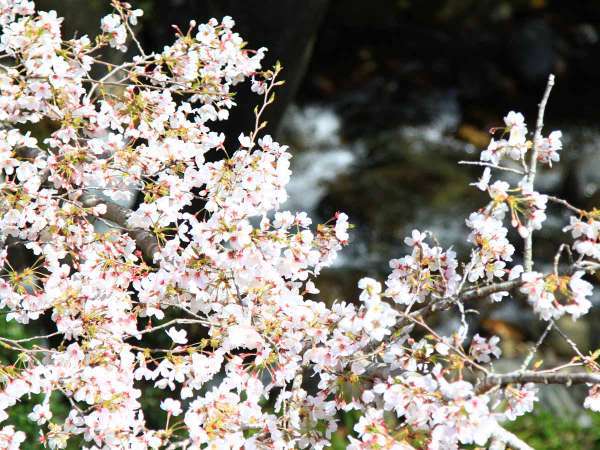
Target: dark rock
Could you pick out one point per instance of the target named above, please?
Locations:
(531, 49)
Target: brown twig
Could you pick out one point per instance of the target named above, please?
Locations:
(566, 204)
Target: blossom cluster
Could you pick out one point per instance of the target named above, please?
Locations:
(205, 290)
(586, 234)
(428, 271)
(552, 296)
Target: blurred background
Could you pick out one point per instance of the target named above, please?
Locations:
(383, 98)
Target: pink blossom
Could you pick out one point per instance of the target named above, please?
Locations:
(592, 401)
(482, 348)
(233, 284)
(520, 400)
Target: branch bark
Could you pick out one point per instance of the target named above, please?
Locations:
(565, 378)
(145, 240)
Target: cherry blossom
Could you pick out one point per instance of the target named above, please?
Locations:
(587, 236)
(10, 439)
(520, 400)
(552, 296)
(173, 407)
(482, 348)
(592, 401)
(205, 291)
(178, 336)
(548, 148)
(515, 146)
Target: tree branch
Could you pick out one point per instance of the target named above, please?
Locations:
(492, 166)
(566, 204)
(567, 379)
(443, 304)
(145, 240)
(528, 251)
(467, 295)
(510, 439)
(588, 266)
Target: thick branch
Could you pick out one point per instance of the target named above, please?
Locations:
(565, 378)
(145, 240)
(482, 292)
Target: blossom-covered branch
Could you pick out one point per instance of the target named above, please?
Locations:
(566, 378)
(203, 289)
(145, 240)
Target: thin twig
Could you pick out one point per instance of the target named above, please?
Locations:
(566, 204)
(588, 266)
(493, 166)
(535, 348)
(29, 339)
(169, 323)
(563, 247)
(528, 251)
(573, 345)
